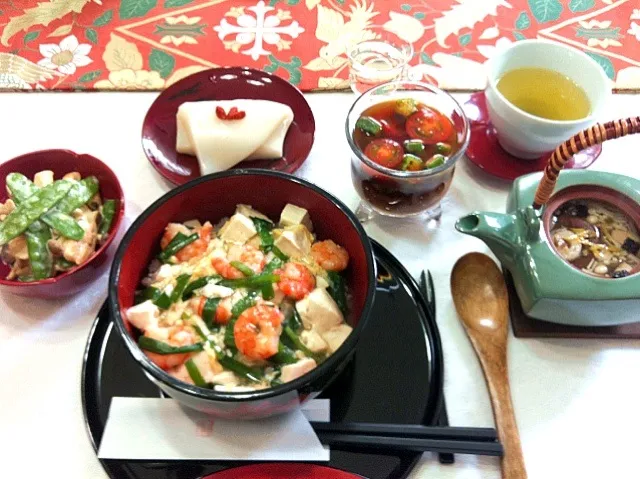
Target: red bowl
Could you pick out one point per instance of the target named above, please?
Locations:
(62, 162)
(212, 198)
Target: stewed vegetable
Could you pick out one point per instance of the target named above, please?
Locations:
(49, 226)
(251, 305)
(406, 135)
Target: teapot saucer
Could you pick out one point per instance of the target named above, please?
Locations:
(485, 152)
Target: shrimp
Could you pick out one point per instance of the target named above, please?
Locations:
(250, 256)
(224, 268)
(223, 311)
(257, 331)
(296, 281)
(330, 256)
(192, 250)
(253, 258)
(177, 336)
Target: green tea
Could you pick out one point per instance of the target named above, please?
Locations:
(545, 93)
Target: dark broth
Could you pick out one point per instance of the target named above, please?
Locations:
(597, 238)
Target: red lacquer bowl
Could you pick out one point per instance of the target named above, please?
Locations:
(159, 127)
(62, 162)
(212, 198)
(284, 470)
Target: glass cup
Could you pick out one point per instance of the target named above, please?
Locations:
(397, 193)
(373, 62)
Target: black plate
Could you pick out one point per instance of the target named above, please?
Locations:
(396, 376)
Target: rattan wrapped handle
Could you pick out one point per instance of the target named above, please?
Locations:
(585, 139)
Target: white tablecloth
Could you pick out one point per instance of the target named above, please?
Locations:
(577, 402)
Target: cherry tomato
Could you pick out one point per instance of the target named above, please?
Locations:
(390, 130)
(385, 152)
(429, 126)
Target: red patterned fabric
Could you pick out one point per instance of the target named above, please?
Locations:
(150, 44)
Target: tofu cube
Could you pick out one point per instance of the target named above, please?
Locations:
(321, 282)
(238, 229)
(249, 212)
(294, 215)
(319, 311)
(294, 242)
(144, 315)
(336, 336)
(313, 341)
(212, 290)
(295, 370)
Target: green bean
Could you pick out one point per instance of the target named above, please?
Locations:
(253, 282)
(176, 245)
(209, 311)
(21, 188)
(267, 291)
(243, 268)
(79, 194)
(284, 355)
(38, 235)
(295, 339)
(108, 213)
(197, 284)
(264, 227)
(64, 264)
(181, 284)
(195, 375)
(338, 290)
(294, 320)
(159, 347)
(32, 209)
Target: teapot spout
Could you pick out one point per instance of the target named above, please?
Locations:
(497, 230)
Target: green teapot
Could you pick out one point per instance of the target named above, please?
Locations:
(554, 231)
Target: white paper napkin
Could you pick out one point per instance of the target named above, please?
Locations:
(160, 429)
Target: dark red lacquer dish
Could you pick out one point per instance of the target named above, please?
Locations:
(62, 162)
(159, 127)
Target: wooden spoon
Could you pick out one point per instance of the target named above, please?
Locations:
(481, 299)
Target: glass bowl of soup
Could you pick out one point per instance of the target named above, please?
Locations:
(405, 139)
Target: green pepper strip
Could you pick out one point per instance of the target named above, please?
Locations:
(209, 311)
(338, 291)
(21, 188)
(159, 347)
(237, 367)
(32, 209)
(264, 227)
(178, 242)
(181, 284)
(253, 282)
(298, 342)
(278, 252)
(149, 293)
(108, 213)
(274, 264)
(243, 268)
(284, 355)
(197, 284)
(195, 375)
(163, 301)
(38, 236)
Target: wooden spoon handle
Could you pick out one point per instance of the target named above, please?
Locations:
(494, 365)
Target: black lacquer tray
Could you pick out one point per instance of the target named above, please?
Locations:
(396, 376)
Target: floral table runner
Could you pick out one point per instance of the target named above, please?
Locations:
(150, 44)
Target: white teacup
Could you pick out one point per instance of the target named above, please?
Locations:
(528, 136)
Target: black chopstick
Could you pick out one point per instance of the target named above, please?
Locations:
(417, 431)
(452, 440)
